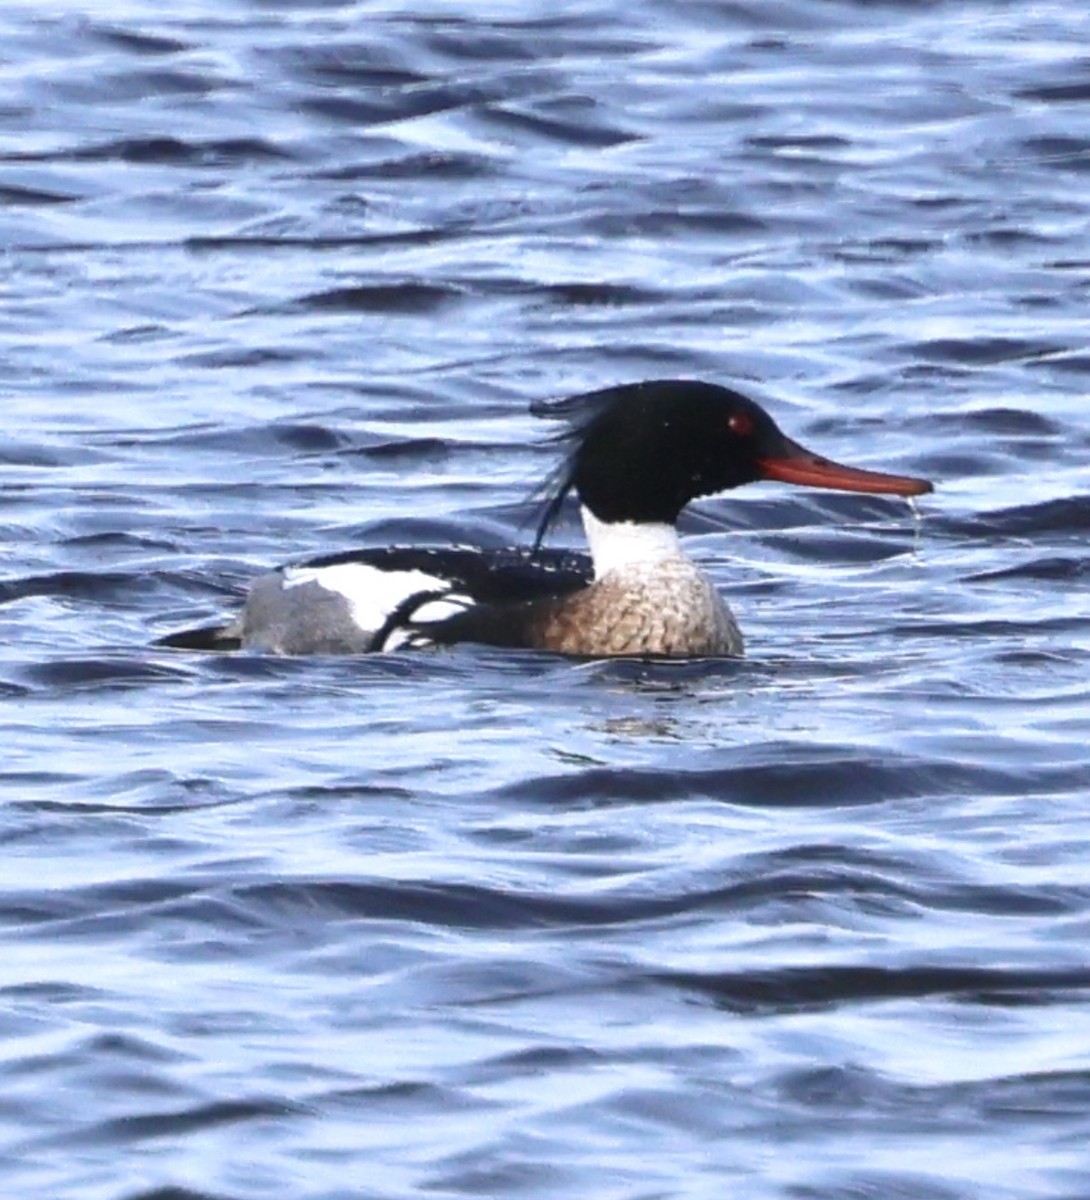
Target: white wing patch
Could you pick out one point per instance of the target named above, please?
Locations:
(417, 638)
(443, 607)
(372, 594)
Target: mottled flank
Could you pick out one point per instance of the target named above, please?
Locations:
(287, 617)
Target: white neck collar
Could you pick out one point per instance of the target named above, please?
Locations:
(618, 544)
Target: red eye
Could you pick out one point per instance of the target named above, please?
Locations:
(741, 424)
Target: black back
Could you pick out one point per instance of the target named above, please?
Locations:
(486, 576)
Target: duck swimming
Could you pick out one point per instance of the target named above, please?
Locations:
(637, 454)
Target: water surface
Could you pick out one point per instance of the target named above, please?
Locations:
(283, 278)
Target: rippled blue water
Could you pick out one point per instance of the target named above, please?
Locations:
(281, 278)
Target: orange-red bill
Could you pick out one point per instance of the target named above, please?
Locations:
(795, 464)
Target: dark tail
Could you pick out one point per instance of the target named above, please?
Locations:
(209, 637)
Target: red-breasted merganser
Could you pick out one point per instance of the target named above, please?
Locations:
(638, 454)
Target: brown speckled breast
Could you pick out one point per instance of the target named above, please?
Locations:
(668, 608)
(671, 609)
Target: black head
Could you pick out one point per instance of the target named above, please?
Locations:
(642, 451)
